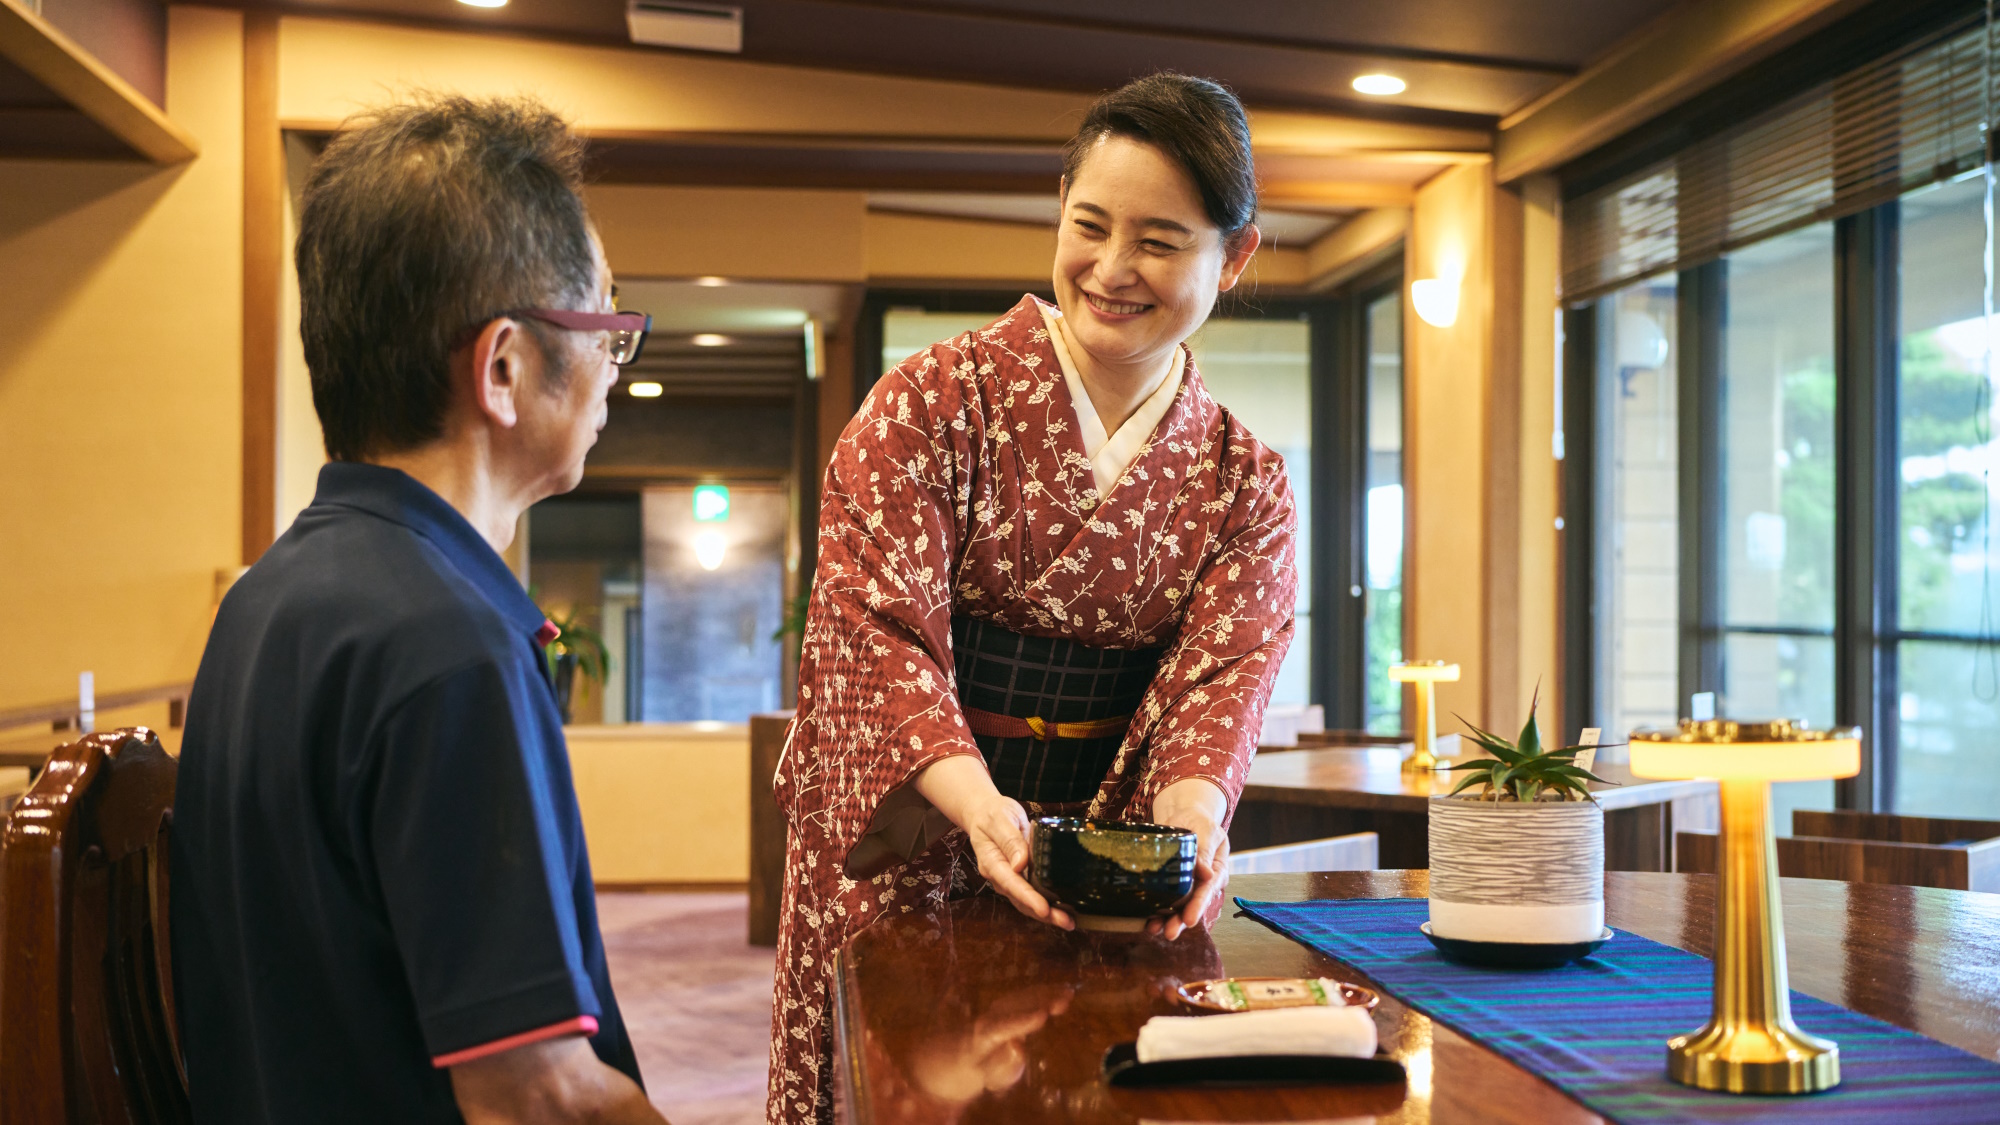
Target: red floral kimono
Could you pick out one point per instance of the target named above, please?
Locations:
(961, 486)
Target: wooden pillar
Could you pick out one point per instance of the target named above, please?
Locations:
(263, 296)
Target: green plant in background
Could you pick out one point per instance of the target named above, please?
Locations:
(794, 625)
(1522, 770)
(581, 641)
(1940, 401)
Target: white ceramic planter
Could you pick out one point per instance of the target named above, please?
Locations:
(1503, 871)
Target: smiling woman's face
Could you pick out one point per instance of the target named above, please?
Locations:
(1138, 263)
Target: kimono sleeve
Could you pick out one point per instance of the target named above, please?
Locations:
(876, 698)
(464, 835)
(1235, 634)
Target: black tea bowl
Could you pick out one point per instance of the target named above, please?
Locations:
(1112, 874)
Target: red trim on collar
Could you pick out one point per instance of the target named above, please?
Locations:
(547, 634)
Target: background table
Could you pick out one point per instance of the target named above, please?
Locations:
(980, 1015)
(1297, 795)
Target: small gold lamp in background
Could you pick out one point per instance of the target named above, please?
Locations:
(1425, 674)
(1749, 1045)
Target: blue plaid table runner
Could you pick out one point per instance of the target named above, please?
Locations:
(1597, 1029)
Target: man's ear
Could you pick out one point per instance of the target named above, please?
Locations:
(1234, 261)
(499, 371)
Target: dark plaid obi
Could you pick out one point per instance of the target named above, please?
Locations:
(1048, 714)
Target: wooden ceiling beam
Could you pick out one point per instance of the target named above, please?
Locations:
(51, 58)
(1690, 49)
(331, 67)
(1151, 29)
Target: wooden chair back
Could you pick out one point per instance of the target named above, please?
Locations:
(87, 1030)
(1957, 867)
(1891, 828)
(1359, 851)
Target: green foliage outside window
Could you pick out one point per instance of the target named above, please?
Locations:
(1940, 403)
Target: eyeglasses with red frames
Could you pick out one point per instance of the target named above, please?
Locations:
(627, 329)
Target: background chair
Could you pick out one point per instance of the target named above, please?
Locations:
(1356, 852)
(87, 1028)
(1915, 851)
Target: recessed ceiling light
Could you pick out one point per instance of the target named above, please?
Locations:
(709, 340)
(645, 390)
(484, 3)
(1380, 85)
(711, 281)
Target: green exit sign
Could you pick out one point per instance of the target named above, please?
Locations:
(711, 503)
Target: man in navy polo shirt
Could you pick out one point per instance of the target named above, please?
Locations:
(382, 906)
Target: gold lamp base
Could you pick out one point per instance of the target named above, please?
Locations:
(1749, 1044)
(1751, 1059)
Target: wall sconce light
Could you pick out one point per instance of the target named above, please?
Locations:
(1436, 300)
(709, 548)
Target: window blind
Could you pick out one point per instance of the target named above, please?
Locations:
(1899, 122)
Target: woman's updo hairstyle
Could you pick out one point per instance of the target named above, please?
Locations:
(1199, 124)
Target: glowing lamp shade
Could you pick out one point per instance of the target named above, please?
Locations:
(1426, 674)
(1379, 85)
(645, 390)
(709, 549)
(1749, 1044)
(1436, 301)
(1731, 751)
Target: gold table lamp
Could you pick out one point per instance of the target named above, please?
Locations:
(1425, 674)
(1749, 1044)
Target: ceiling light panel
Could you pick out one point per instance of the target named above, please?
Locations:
(692, 27)
(1380, 85)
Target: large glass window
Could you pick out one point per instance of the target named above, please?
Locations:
(1948, 684)
(907, 331)
(1638, 545)
(1261, 370)
(1382, 522)
(1778, 464)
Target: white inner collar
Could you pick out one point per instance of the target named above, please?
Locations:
(1110, 455)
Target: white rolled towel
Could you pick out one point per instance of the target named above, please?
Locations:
(1344, 1032)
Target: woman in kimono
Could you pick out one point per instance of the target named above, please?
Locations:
(1055, 576)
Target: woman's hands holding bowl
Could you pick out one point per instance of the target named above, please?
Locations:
(997, 826)
(1198, 806)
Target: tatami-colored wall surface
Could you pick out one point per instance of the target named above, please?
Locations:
(664, 802)
(120, 392)
(1445, 439)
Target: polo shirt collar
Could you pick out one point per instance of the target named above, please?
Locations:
(400, 498)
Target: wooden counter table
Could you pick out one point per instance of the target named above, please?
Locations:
(978, 1014)
(1297, 795)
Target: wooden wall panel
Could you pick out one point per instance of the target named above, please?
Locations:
(263, 285)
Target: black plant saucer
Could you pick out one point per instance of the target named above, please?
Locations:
(1123, 1068)
(1514, 954)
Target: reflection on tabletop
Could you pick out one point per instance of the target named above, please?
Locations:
(974, 1013)
(956, 1035)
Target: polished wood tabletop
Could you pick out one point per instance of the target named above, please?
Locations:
(974, 1013)
(1373, 778)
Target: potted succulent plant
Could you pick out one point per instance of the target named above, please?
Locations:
(1517, 847)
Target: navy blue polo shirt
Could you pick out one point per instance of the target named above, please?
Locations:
(378, 864)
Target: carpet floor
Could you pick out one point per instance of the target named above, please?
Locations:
(697, 999)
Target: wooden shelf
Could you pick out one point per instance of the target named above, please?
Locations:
(58, 100)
